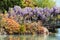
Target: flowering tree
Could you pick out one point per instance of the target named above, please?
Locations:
(38, 3)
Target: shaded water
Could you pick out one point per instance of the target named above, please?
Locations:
(55, 36)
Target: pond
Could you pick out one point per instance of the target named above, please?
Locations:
(54, 36)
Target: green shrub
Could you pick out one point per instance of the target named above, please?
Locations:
(22, 29)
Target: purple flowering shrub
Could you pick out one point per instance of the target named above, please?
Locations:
(22, 15)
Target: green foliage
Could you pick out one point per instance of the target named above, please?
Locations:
(38, 3)
(27, 3)
(44, 3)
(58, 16)
(11, 3)
(5, 4)
(0, 19)
(2, 22)
(22, 29)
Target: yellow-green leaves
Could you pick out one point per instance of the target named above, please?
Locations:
(44, 3)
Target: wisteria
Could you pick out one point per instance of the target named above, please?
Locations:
(43, 13)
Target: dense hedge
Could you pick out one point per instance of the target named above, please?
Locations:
(5, 4)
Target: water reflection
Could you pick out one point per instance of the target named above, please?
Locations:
(31, 37)
(23, 37)
(27, 37)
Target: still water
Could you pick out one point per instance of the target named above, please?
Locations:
(55, 36)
